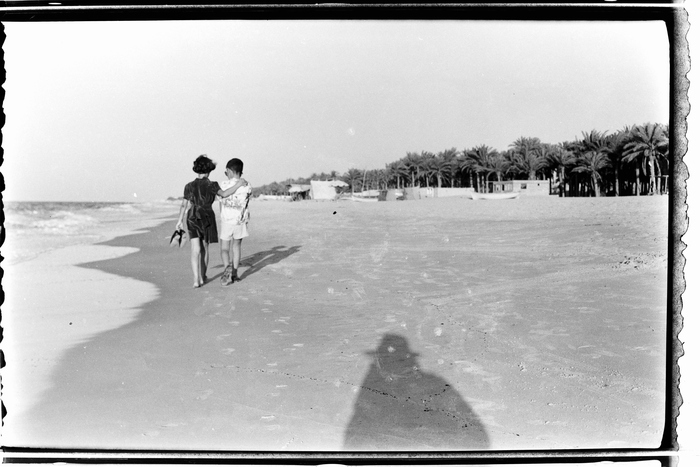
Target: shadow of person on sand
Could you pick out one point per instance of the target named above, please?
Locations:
(400, 407)
(261, 259)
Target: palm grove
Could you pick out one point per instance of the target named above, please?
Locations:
(631, 161)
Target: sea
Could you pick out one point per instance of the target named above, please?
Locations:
(33, 228)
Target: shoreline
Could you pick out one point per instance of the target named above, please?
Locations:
(497, 309)
(31, 346)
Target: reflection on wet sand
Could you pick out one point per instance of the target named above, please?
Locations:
(400, 407)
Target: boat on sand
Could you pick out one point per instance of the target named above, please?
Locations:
(502, 195)
(363, 199)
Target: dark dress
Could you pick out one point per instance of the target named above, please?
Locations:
(201, 221)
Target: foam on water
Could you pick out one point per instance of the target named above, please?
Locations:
(33, 228)
(62, 233)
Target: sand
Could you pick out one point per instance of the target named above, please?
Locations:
(440, 324)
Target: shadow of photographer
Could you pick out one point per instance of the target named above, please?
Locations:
(400, 407)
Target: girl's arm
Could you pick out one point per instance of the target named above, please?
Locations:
(184, 207)
(232, 190)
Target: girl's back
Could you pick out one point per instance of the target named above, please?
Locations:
(201, 192)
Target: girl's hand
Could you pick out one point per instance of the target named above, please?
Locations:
(178, 226)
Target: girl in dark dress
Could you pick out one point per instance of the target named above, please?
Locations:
(201, 221)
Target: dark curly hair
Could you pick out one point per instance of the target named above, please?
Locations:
(203, 165)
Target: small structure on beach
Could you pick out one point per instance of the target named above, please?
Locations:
(299, 192)
(325, 189)
(523, 187)
(532, 187)
(391, 195)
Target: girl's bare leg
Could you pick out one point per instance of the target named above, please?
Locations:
(196, 261)
(205, 260)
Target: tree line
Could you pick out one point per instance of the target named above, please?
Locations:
(631, 161)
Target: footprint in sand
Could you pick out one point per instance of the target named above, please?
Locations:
(204, 395)
(298, 345)
(267, 418)
(266, 310)
(268, 302)
(235, 323)
(228, 351)
(222, 337)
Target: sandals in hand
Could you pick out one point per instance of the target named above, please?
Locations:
(177, 234)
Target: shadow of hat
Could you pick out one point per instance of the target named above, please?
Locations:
(393, 345)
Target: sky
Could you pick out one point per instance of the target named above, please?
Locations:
(118, 111)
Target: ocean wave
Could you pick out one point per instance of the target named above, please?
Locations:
(33, 228)
(61, 222)
(126, 207)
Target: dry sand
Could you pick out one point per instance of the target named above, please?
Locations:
(535, 323)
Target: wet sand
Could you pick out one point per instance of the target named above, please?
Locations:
(535, 323)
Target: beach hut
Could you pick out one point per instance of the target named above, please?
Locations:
(533, 187)
(299, 192)
(411, 193)
(391, 195)
(325, 190)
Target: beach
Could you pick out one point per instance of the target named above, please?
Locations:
(438, 324)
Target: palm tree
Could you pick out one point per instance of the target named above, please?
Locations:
(495, 163)
(560, 159)
(529, 162)
(616, 147)
(648, 144)
(466, 165)
(438, 167)
(402, 173)
(593, 162)
(352, 178)
(447, 165)
(592, 141)
(525, 157)
(392, 172)
(477, 161)
(412, 163)
(385, 177)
